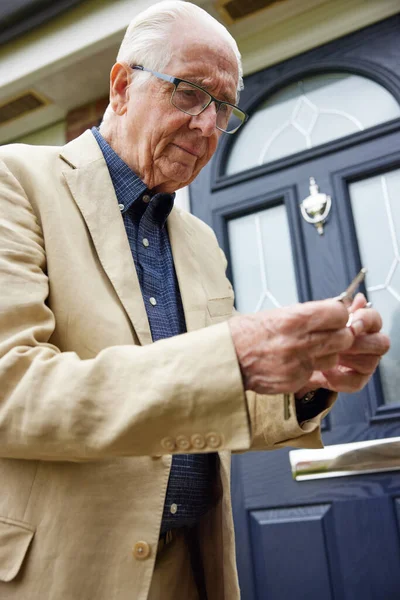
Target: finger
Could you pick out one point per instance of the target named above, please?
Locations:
(370, 343)
(318, 380)
(324, 363)
(322, 315)
(359, 301)
(366, 320)
(362, 363)
(324, 343)
(346, 380)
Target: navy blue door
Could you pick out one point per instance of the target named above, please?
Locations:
(333, 538)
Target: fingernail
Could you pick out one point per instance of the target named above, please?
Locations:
(357, 327)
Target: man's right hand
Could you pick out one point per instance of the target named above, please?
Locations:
(278, 350)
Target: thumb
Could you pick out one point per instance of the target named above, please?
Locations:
(359, 301)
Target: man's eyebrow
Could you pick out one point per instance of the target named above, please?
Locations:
(200, 82)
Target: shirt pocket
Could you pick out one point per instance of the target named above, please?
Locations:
(220, 309)
(15, 537)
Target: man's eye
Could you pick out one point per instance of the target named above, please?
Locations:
(226, 110)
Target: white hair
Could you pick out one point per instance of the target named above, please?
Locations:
(148, 40)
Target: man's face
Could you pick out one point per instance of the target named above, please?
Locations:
(164, 146)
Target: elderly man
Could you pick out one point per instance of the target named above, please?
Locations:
(115, 442)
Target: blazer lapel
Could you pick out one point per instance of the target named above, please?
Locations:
(90, 185)
(183, 245)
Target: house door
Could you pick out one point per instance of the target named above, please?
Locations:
(332, 114)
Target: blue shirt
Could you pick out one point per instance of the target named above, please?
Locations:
(192, 478)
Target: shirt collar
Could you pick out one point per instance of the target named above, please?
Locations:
(131, 191)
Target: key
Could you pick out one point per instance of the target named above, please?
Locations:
(347, 296)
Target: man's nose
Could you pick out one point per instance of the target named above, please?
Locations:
(205, 121)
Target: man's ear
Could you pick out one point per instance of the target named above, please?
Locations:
(119, 81)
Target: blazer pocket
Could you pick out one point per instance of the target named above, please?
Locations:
(15, 537)
(220, 307)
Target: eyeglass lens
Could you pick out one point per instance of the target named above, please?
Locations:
(193, 100)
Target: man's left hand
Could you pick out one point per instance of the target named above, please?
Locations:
(357, 365)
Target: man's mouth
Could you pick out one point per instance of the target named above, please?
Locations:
(189, 150)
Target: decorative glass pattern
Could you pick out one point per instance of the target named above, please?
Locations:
(309, 113)
(376, 209)
(262, 260)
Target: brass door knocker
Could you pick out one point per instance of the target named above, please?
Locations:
(315, 208)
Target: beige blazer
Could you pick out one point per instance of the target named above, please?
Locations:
(90, 409)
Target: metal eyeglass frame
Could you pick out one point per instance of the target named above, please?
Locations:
(176, 81)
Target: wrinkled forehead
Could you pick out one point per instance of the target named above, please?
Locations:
(207, 59)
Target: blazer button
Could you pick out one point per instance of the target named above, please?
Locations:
(168, 443)
(183, 442)
(198, 441)
(141, 550)
(213, 440)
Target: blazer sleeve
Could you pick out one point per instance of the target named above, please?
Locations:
(182, 394)
(128, 400)
(274, 427)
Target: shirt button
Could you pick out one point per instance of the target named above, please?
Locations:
(152, 301)
(121, 207)
(141, 550)
(183, 442)
(146, 198)
(168, 443)
(173, 508)
(145, 242)
(213, 440)
(198, 441)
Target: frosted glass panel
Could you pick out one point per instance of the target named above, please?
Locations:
(308, 113)
(262, 260)
(376, 210)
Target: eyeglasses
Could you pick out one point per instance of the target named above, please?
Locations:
(193, 100)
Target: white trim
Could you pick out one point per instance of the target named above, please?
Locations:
(80, 32)
(48, 136)
(41, 118)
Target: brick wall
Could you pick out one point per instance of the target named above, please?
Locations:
(85, 117)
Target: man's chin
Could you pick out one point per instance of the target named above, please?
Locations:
(179, 174)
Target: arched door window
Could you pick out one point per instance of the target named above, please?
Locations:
(308, 113)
